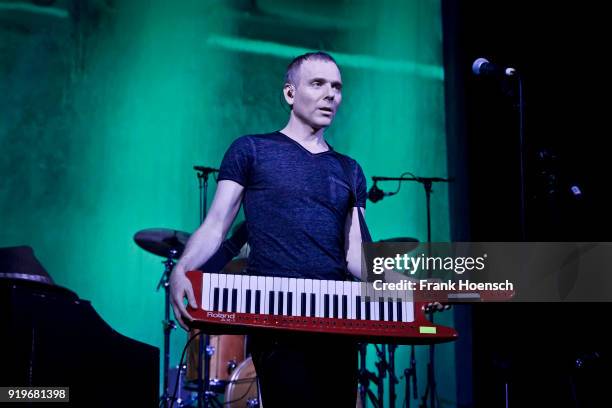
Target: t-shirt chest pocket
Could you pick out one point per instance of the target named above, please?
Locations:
(339, 191)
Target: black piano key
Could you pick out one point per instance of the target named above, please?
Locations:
(234, 299)
(216, 300)
(358, 307)
(390, 310)
(381, 309)
(280, 303)
(313, 305)
(367, 308)
(399, 309)
(303, 305)
(344, 307)
(326, 305)
(224, 299)
(290, 304)
(335, 306)
(271, 303)
(257, 301)
(247, 309)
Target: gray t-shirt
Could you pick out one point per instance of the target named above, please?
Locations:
(295, 205)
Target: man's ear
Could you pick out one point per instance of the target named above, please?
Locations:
(289, 93)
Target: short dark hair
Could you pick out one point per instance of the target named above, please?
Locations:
(294, 67)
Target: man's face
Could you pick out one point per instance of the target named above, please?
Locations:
(318, 93)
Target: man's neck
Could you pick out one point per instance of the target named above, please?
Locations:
(305, 134)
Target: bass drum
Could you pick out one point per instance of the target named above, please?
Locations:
(242, 389)
(229, 352)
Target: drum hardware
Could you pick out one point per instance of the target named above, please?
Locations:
(205, 394)
(252, 403)
(365, 377)
(242, 388)
(410, 377)
(170, 245)
(427, 182)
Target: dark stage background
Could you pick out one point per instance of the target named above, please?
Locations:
(548, 354)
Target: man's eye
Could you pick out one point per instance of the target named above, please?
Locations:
(316, 83)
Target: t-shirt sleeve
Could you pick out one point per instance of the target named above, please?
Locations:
(237, 161)
(361, 186)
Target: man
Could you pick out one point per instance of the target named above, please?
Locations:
(302, 220)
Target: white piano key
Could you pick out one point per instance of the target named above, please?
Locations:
(293, 290)
(409, 312)
(300, 289)
(229, 284)
(285, 290)
(309, 289)
(377, 300)
(214, 284)
(391, 295)
(222, 283)
(253, 286)
(245, 285)
(321, 296)
(339, 291)
(407, 307)
(315, 288)
(373, 306)
(346, 290)
(277, 289)
(261, 287)
(356, 291)
(266, 294)
(205, 302)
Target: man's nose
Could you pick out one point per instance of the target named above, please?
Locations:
(330, 92)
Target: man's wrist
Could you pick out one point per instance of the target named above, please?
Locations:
(179, 269)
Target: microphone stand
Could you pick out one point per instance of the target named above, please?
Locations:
(410, 375)
(522, 158)
(365, 377)
(167, 323)
(427, 183)
(204, 349)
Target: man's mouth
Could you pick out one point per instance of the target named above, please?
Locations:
(328, 110)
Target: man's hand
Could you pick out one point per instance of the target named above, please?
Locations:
(180, 287)
(436, 307)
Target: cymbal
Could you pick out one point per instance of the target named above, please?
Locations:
(408, 242)
(164, 242)
(400, 239)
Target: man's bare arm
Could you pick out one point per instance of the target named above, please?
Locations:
(353, 249)
(203, 244)
(352, 242)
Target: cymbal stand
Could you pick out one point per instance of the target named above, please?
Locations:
(385, 367)
(410, 376)
(392, 377)
(365, 377)
(205, 394)
(427, 183)
(167, 323)
(381, 366)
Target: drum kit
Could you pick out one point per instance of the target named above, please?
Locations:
(232, 372)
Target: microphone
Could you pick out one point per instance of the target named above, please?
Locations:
(482, 66)
(206, 170)
(376, 194)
